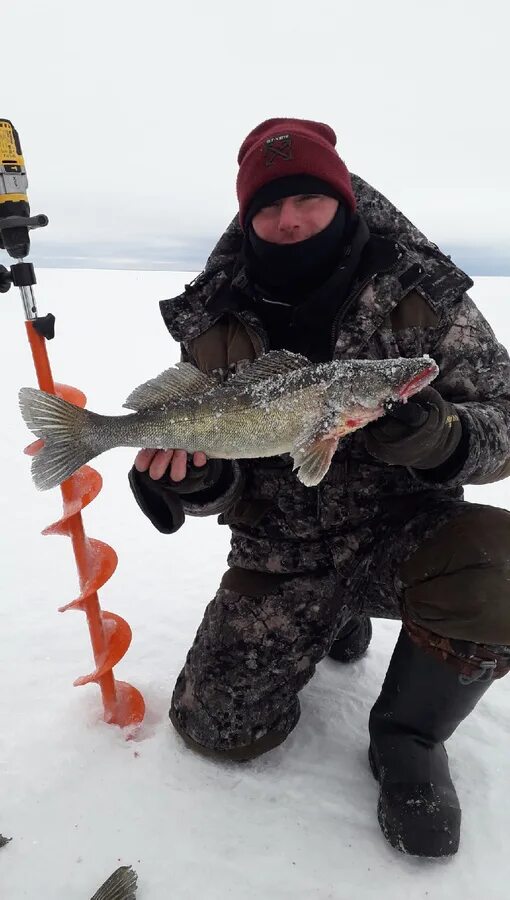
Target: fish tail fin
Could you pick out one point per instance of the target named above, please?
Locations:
(119, 886)
(66, 432)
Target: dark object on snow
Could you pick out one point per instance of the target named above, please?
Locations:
(422, 702)
(352, 641)
(4, 840)
(119, 886)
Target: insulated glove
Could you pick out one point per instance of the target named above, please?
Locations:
(161, 500)
(423, 433)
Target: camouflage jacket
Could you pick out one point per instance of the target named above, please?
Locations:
(407, 300)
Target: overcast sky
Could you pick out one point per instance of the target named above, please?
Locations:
(131, 114)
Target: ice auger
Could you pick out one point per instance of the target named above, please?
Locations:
(96, 561)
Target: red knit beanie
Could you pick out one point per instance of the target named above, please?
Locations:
(280, 147)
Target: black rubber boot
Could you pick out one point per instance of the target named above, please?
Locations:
(351, 642)
(422, 702)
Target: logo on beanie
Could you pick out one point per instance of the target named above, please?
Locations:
(279, 147)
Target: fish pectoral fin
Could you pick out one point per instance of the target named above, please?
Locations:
(275, 362)
(178, 383)
(314, 460)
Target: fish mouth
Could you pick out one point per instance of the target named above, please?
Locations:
(418, 382)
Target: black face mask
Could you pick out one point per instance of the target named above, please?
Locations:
(299, 267)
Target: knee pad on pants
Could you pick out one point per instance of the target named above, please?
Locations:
(457, 583)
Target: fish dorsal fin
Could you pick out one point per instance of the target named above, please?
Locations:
(178, 383)
(275, 362)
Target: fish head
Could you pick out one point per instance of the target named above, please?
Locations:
(362, 389)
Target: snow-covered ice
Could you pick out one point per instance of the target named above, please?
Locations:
(75, 796)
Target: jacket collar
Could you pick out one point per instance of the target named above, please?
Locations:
(386, 273)
(376, 255)
(421, 262)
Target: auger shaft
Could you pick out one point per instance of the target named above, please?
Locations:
(96, 561)
(78, 538)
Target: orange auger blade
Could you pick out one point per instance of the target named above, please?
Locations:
(96, 562)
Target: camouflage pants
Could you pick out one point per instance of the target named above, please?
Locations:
(445, 572)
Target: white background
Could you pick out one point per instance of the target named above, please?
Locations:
(131, 114)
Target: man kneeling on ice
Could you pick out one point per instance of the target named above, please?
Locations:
(320, 263)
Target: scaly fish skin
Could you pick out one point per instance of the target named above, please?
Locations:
(281, 403)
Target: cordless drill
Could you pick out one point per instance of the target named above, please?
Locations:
(13, 192)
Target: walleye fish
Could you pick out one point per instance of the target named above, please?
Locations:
(281, 403)
(119, 886)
